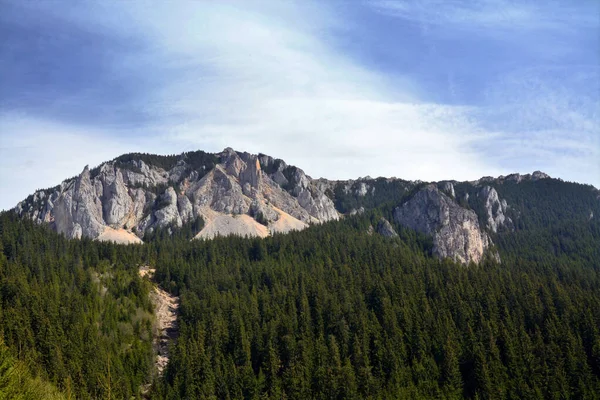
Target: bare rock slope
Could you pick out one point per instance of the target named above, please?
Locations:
(455, 230)
(234, 193)
(238, 193)
(165, 328)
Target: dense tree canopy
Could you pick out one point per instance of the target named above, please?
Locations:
(73, 310)
(332, 312)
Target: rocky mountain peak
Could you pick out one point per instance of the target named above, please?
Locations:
(539, 175)
(140, 193)
(535, 176)
(232, 162)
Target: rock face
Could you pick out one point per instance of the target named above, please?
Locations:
(448, 188)
(517, 178)
(384, 228)
(308, 193)
(537, 175)
(79, 211)
(258, 195)
(230, 191)
(455, 230)
(495, 209)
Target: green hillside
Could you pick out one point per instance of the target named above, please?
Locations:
(332, 312)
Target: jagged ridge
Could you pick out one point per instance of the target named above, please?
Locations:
(256, 195)
(125, 198)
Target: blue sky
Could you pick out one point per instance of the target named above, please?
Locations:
(428, 89)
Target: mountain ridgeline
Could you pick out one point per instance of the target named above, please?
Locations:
(137, 197)
(290, 287)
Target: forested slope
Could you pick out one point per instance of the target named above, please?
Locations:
(333, 312)
(16, 381)
(74, 312)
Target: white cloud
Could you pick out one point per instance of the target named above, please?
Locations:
(38, 154)
(268, 81)
(261, 78)
(546, 118)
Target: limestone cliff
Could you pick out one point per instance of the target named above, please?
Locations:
(495, 209)
(455, 230)
(129, 195)
(258, 195)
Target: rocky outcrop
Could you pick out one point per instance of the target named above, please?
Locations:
(518, 178)
(142, 175)
(78, 211)
(359, 211)
(384, 228)
(251, 177)
(537, 175)
(129, 195)
(448, 188)
(495, 209)
(363, 189)
(260, 211)
(118, 203)
(185, 208)
(455, 230)
(167, 213)
(309, 193)
(231, 162)
(220, 192)
(136, 194)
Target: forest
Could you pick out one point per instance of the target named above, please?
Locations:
(73, 314)
(336, 313)
(332, 312)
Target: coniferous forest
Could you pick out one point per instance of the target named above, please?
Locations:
(332, 312)
(300, 199)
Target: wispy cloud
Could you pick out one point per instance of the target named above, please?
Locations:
(263, 77)
(494, 14)
(538, 106)
(40, 154)
(549, 117)
(265, 80)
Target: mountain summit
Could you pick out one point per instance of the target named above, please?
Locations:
(136, 194)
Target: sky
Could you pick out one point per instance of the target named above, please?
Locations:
(416, 89)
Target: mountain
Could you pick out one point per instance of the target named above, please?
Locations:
(137, 196)
(371, 300)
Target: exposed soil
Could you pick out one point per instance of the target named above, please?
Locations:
(165, 328)
(240, 225)
(119, 236)
(146, 271)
